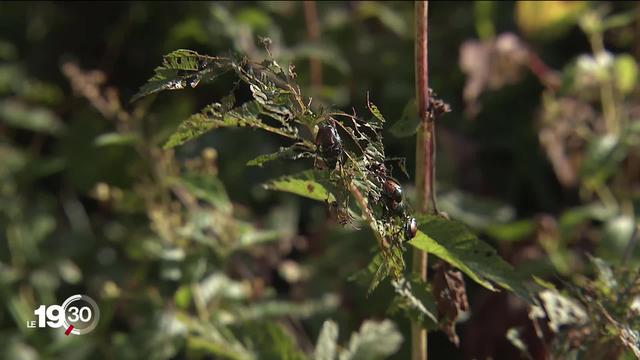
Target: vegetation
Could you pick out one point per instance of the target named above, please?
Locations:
(174, 209)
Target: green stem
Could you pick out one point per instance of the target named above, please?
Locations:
(424, 160)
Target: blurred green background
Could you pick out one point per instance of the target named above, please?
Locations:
(189, 257)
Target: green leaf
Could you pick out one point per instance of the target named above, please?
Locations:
(13, 160)
(311, 184)
(454, 243)
(271, 342)
(326, 346)
(512, 231)
(179, 69)
(409, 121)
(616, 235)
(387, 17)
(415, 298)
(277, 308)
(15, 113)
(376, 271)
(604, 153)
(328, 54)
(111, 139)
(626, 73)
(220, 115)
(375, 340)
(208, 188)
(474, 211)
(294, 152)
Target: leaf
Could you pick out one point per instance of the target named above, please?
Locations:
(606, 279)
(387, 17)
(15, 113)
(326, 53)
(220, 115)
(474, 211)
(293, 152)
(219, 286)
(277, 308)
(512, 231)
(179, 69)
(626, 73)
(550, 19)
(415, 298)
(374, 340)
(115, 139)
(311, 184)
(376, 271)
(451, 297)
(375, 111)
(271, 342)
(560, 310)
(604, 153)
(208, 188)
(616, 235)
(454, 243)
(326, 347)
(409, 121)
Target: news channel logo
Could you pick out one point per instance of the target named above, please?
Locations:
(78, 315)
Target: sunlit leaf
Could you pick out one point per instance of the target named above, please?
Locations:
(549, 19)
(277, 308)
(310, 184)
(179, 69)
(269, 341)
(511, 231)
(39, 119)
(604, 153)
(112, 139)
(327, 346)
(375, 340)
(626, 73)
(293, 152)
(218, 115)
(454, 243)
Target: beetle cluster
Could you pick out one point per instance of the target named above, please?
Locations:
(330, 149)
(393, 205)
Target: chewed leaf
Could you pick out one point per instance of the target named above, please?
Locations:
(454, 243)
(415, 298)
(375, 272)
(294, 152)
(375, 111)
(218, 115)
(182, 68)
(310, 184)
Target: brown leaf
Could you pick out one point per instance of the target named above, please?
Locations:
(451, 298)
(491, 64)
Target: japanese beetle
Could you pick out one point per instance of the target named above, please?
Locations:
(396, 208)
(410, 228)
(392, 190)
(329, 144)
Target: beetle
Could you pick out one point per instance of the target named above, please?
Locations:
(410, 228)
(392, 190)
(329, 144)
(396, 208)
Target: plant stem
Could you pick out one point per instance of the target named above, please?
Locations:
(424, 160)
